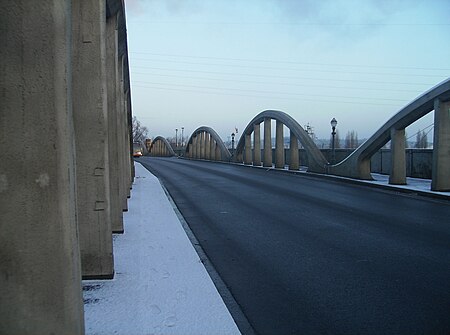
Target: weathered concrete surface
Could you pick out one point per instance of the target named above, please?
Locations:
(279, 145)
(257, 144)
(267, 142)
(113, 117)
(398, 163)
(248, 149)
(91, 138)
(40, 275)
(294, 156)
(441, 152)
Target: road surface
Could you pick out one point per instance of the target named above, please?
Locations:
(304, 255)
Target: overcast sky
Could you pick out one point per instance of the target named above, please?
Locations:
(219, 63)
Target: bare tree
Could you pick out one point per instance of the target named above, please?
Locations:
(421, 139)
(140, 132)
(351, 140)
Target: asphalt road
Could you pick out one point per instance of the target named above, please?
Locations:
(304, 255)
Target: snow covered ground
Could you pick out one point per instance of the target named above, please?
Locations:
(160, 285)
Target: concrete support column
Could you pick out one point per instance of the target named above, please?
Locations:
(248, 149)
(218, 153)
(91, 138)
(202, 145)
(113, 117)
(398, 157)
(279, 146)
(207, 146)
(199, 139)
(295, 162)
(40, 275)
(123, 143)
(267, 142)
(212, 148)
(257, 145)
(194, 147)
(441, 147)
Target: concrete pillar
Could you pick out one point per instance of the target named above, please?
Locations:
(194, 147)
(218, 153)
(267, 142)
(91, 138)
(279, 146)
(207, 146)
(40, 275)
(248, 149)
(212, 148)
(123, 144)
(441, 147)
(202, 144)
(113, 116)
(398, 157)
(199, 140)
(257, 145)
(295, 163)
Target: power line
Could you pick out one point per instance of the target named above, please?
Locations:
(264, 96)
(277, 76)
(293, 62)
(264, 92)
(292, 69)
(284, 84)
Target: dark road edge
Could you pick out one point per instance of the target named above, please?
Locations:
(233, 307)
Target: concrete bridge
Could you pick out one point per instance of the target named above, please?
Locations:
(65, 149)
(204, 143)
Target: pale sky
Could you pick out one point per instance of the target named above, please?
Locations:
(218, 63)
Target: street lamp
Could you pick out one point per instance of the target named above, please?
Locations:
(333, 134)
(232, 142)
(176, 137)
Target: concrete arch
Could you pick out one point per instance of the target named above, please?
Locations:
(317, 162)
(205, 143)
(357, 165)
(161, 147)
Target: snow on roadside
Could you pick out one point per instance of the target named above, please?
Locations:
(160, 285)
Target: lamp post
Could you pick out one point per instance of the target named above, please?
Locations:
(232, 143)
(333, 134)
(182, 136)
(176, 137)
